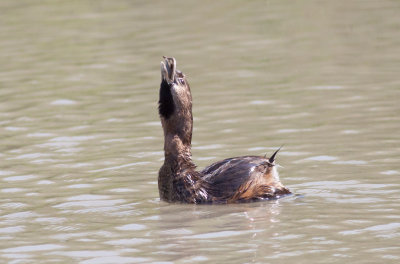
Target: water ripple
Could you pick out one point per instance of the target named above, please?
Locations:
(128, 242)
(63, 102)
(12, 229)
(19, 178)
(114, 259)
(390, 228)
(132, 227)
(33, 248)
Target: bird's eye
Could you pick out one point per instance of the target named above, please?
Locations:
(181, 81)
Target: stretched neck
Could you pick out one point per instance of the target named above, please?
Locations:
(178, 138)
(177, 152)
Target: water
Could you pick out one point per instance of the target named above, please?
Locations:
(81, 141)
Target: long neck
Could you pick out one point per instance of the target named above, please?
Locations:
(178, 137)
(177, 163)
(177, 152)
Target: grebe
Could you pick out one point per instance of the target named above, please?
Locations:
(239, 179)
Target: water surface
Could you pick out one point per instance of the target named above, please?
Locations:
(81, 142)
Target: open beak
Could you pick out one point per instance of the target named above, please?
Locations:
(168, 69)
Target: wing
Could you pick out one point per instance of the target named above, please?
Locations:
(228, 176)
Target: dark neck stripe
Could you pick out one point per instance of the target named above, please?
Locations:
(166, 105)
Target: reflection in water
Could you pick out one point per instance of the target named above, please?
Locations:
(238, 226)
(81, 142)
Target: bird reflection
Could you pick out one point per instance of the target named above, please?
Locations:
(186, 231)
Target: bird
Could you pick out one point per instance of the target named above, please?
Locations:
(232, 180)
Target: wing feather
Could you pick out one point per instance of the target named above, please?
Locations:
(227, 176)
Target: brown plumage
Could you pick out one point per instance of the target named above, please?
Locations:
(239, 179)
